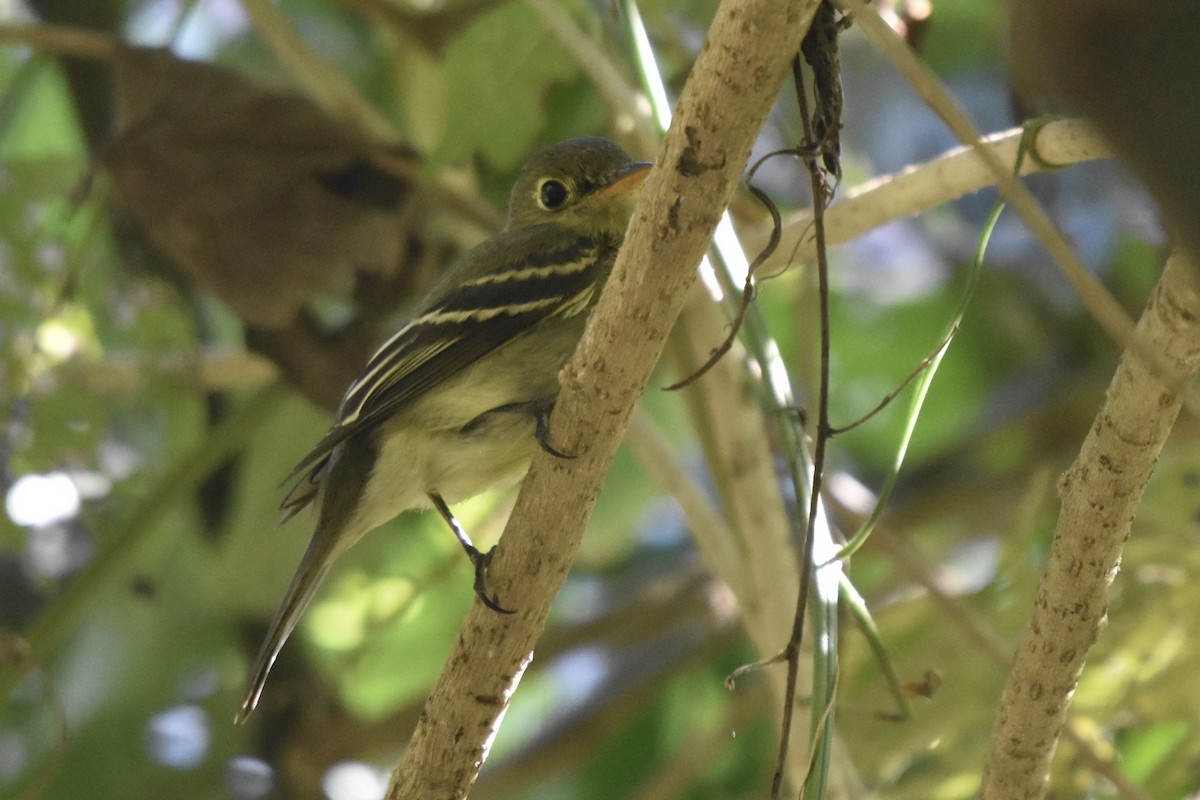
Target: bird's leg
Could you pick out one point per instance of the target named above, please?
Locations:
(478, 559)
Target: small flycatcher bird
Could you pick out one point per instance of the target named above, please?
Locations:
(457, 401)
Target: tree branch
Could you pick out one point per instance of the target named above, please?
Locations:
(919, 188)
(1100, 495)
(726, 99)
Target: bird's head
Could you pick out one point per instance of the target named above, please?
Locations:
(585, 184)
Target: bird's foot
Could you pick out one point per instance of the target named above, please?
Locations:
(481, 561)
(542, 432)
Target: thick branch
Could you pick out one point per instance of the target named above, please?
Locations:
(726, 99)
(1100, 494)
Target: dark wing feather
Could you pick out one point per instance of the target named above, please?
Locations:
(467, 321)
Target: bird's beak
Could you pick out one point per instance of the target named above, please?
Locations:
(628, 178)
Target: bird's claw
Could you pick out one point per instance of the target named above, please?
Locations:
(481, 561)
(542, 434)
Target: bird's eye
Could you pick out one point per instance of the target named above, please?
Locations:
(552, 194)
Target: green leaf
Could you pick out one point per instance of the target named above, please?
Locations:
(498, 74)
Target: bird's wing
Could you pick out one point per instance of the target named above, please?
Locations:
(469, 320)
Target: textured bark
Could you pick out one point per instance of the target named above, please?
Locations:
(1100, 495)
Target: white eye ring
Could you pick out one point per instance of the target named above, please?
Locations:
(552, 194)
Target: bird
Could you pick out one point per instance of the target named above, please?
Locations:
(458, 400)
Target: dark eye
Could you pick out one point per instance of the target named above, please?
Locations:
(552, 194)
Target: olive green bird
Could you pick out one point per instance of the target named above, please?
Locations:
(457, 401)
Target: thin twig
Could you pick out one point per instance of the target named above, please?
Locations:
(791, 650)
(711, 532)
(747, 295)
(921, 187)
(62, 40)
(890, 396)
(1099, 302)
(326, 85)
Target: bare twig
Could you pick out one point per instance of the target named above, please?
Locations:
(720, 112)
(128, 373)
(747, 294)
(890, 396)
(820, 198)
(1102, 306)
(1100, 495)
(954, 174)
(327, 86)
(712, 534)
(62, 40)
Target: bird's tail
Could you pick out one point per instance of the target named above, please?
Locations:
(316, 562)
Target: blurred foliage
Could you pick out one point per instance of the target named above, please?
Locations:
(100, 356)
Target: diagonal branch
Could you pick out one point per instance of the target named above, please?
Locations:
(726, 99)
(920, 187)
(1100, 495)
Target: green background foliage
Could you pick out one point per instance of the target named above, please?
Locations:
(99, 355)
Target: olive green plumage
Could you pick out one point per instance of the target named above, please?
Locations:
(456, 401)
